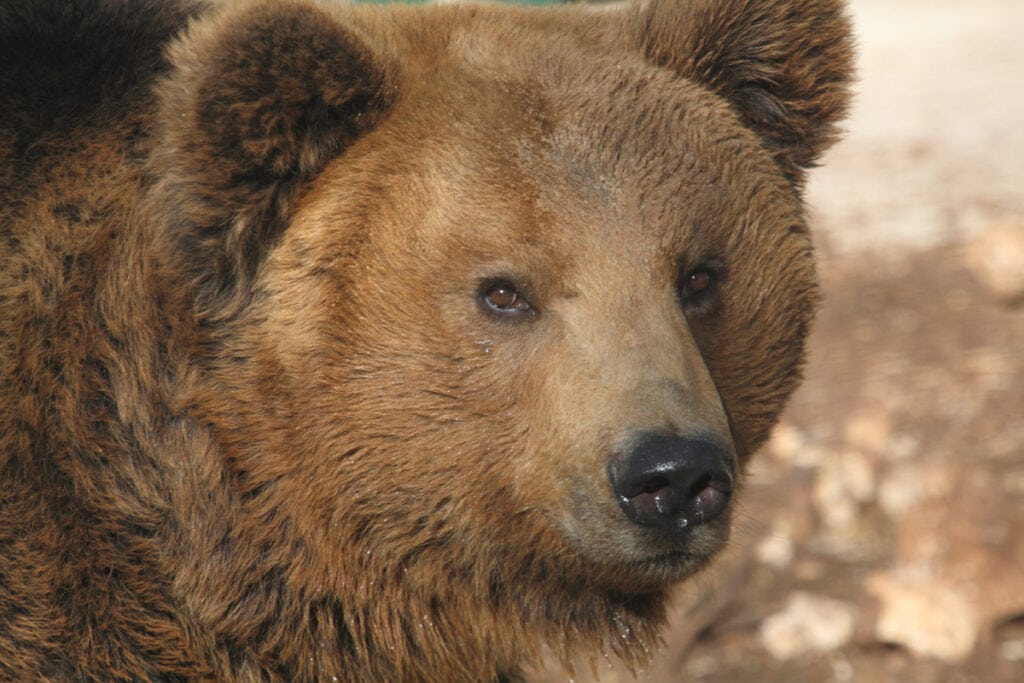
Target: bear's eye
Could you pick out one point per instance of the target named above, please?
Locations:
(696, 288)
(501, 296)
(697, 282)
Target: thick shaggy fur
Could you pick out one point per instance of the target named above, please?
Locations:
(257, 424)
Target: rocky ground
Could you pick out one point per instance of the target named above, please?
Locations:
(881, 536)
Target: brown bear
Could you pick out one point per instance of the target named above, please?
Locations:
(388, 343)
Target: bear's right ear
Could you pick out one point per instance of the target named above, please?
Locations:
(259, 98)
(784, 65)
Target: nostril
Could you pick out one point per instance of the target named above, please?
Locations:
(708, 502)
(672, 482)
(652, 497)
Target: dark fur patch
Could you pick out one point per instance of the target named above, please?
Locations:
(61, 60)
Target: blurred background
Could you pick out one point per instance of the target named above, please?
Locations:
(881, 536)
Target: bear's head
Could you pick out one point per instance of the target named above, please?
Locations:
(496, 303)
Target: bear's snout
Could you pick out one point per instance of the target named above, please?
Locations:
(673, 483)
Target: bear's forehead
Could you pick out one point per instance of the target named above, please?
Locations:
(521, 81)
(602, 117)
(619, 151)
(609, 128)
(531, 138)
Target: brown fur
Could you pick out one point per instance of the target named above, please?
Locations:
(257, 426)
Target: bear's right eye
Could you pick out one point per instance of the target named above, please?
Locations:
(502, 297)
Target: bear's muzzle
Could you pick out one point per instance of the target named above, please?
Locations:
(673, 483)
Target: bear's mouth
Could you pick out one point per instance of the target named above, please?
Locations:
(635, 559)
(683, 552)
(638, 575)
(684, 561)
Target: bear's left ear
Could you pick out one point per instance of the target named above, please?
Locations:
(259, 98)
(784, 65)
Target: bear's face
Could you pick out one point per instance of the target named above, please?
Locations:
(491, 309)
(498, 299)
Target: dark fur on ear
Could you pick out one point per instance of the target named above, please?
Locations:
(259, 100)
(784, 65)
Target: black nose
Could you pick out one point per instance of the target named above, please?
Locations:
(671, 482)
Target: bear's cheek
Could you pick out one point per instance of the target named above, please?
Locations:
(755, 350)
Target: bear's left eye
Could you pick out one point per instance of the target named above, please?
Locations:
(501, 296)
(697, 282)
(696, 288)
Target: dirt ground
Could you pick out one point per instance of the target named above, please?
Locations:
(881, 536)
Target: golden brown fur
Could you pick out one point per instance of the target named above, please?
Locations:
(256, 424)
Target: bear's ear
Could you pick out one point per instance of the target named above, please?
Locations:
(259, 98)
(784, 65)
